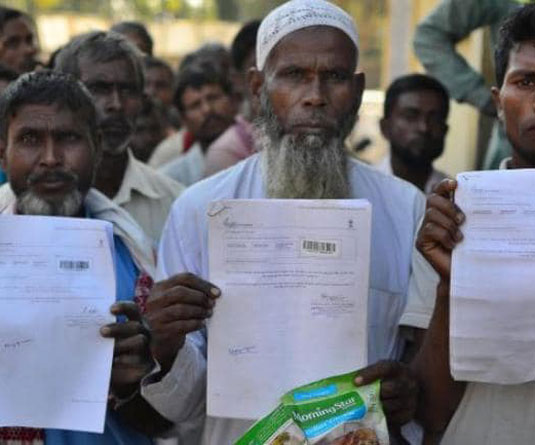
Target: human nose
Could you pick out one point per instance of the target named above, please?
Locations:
(114, 100)
(423, 124)
(206, 107)
(315, 96)
(51, 155)
(30, 49)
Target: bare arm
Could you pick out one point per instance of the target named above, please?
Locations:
(440, 394)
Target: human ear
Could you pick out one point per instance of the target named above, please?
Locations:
(359, 82)
(497, 102)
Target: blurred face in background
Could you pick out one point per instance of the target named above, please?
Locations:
(18, 46)
(150, 130)
(159, 84)
(118, 99)
(207, 112)
(416, 127)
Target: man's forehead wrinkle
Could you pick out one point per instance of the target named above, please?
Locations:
(51, 118)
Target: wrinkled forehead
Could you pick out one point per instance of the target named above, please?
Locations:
(313, 46)
(49, 118)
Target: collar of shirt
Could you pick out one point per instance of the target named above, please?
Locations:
(135, 178)
(505, 164)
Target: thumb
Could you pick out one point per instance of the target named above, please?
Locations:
(378, 371)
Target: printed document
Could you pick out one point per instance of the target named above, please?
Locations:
(492, 315)
(294, 278)
(57, 284)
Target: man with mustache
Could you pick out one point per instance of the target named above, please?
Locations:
(309, 93)
(50, 146)
(18, 45)
(204, 100)
(112, 70)
(415, 123)
(458, 412)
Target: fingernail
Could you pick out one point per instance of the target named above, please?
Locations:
(358, 381)
(215, 292)
(114, 309)
(459, 236)
(105, 330)
(459, 218)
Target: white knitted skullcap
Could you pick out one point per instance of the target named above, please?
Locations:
(298, 14)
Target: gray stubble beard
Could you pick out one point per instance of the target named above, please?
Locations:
(31, 204)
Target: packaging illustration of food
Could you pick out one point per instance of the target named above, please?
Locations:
(332, 411)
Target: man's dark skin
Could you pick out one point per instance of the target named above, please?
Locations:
(310, 78)
(416, 129)
(441, 232)
(118, 99)
(159, 84)
(150, 131)
(18, 46)
(50, 151)
(207, 112)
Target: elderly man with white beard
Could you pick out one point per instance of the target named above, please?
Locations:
(309, 94)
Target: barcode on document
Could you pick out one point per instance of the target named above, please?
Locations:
(76, 266)
(319, 247)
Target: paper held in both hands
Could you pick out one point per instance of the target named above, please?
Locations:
(492, 314)
(57, 284)
(294, 277)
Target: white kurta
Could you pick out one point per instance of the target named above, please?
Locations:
(397, 210)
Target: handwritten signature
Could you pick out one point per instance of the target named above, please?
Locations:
(16, 344)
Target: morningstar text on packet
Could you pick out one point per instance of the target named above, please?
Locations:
(331, 411)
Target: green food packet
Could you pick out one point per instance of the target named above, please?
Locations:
(334, 411)
(278, 428)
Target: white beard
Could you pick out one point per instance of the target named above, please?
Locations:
(31, 204)
(301, 167)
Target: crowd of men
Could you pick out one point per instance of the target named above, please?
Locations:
(106, 130)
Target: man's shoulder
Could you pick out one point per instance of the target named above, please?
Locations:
(162, 184)
(167, 150)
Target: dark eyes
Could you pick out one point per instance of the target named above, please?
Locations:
(29, 139)
(526, 82)
(105, 89)
(69, 137)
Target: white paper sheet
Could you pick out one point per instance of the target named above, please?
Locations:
(294, 277)
(492, 315)
(57, 283)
